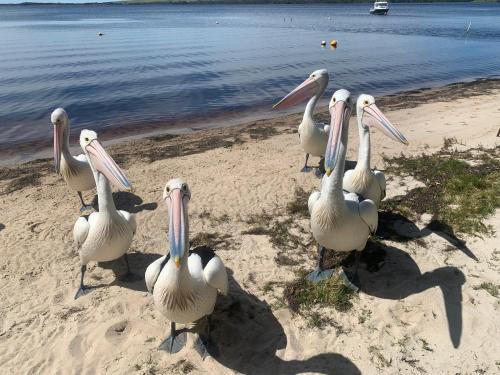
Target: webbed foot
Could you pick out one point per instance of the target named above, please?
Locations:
(86, 207)
(82, 291)
(173, 344)
(306, 169)
(319, 275)
(351, 282)
(202, 347)
(318, 173)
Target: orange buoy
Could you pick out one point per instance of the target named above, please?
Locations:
(333, 43)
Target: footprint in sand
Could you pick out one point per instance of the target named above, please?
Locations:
(116, 331)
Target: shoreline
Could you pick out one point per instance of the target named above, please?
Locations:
(231, 123)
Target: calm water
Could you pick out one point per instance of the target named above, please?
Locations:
(175, 64)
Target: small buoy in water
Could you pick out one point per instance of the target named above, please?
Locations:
(333, 43)
(323, 43)
(216, 22)
(100, 34)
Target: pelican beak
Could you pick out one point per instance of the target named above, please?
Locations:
(58, 134)
(302, 92)
(177, 227)
(340, 112)
(106, 165)
(376, 118)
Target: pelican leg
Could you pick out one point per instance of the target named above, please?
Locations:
(128, 276)
(83, 290)
(175, 342)
(306, 168)
(320, 171)
(85, 206)
(204, 342)
(353, 281)
(320, 274)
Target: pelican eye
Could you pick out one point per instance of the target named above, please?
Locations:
(334, 100)
(168, 189)
(365, 102)
(184, 187)
(86, 139)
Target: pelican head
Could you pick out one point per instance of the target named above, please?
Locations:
(340, 111)
(101, 161)
(315, 84)
(370, 115)
(60, 120)
(177, 194)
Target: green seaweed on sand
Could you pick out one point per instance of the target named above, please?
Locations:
(302, 295)
(462, 188)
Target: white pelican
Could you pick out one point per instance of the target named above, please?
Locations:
(362, 180)
(106, 235)
(340, 222)
(74, 170)
(313, 135)
(184, 283)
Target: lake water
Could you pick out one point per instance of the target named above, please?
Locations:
(171, 65)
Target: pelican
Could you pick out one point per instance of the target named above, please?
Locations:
(339, 221)
(106, 235)
(184, 283)
(362, 180)
(313, 135)
(74, 170)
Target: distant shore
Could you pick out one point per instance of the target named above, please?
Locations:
(235, 122)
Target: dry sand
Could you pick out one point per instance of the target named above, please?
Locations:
(406, 319)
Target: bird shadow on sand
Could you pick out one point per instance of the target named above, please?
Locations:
(390, 273)
(2, 227)
(248, 335)
(138, 263)
(127, 201)
(396, 227)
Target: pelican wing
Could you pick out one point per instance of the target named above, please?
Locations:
(369, 214)
(380, 177)
(81, 230)
(326, 129)
(312, 200)
(153, 271)
(130, 219)
(215, 275)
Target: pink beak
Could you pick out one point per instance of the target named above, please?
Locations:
(106, 165)
(58, 133)
(305, 90)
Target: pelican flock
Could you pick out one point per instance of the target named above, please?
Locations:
(75, 170)
(312, 134)
(184, 283)
(107, 234)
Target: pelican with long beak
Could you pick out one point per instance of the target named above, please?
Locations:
(362, 180)
(313, 135)
(339, 222)
(184, 283)
(75, 170)
(106, 235)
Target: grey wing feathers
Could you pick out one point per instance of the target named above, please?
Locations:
(81, 230)
(380, 177)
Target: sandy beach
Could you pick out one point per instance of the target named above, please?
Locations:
(421, 311)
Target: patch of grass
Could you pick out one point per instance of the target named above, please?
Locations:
(182, 366)
(212, 240)
(377, 353)
(489, 287)
(462, 188)
(298, 206)
(425, 345)
(365, 315)
(316, 320)
(269, 286)
(302, 294)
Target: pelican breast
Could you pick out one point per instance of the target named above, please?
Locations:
(77, 173)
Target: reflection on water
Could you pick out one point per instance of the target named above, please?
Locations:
(162, 63)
